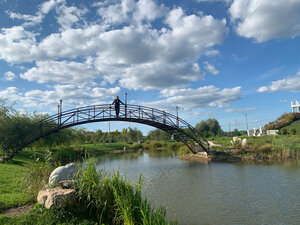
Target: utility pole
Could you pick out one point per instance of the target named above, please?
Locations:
(246, 122)
(177, 119)
(126, 105)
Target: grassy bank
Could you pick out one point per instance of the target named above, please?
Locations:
(264, 147)
(103, 198)
(23, 176)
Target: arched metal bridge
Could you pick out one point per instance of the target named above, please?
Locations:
(177, 127)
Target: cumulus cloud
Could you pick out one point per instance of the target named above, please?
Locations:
(149, 59)
(291, 84)
(130, 11)
(133, 55)
(10, 76)
(17, 44)
(202, 97)
(211, 68)
(71, 95)
(241, 110)
(263, 20)
(61, 72)
(69, 16)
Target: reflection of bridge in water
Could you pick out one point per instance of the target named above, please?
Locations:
(178, 128)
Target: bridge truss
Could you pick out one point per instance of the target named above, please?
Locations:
(177, 127)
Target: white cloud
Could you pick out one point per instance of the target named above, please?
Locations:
(241, 110)
(10, 76)
(130, 11)
(61, 72)
(147, 59)
(11, 93)
(204, 114)
(203, 97)
(69, 16)
(17, 44)
(135, 56)
(32, 20)
(264, 19)
(71, 43)
(71, 95)
(291, 84)
(211, 68)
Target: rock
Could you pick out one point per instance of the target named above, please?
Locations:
(56, 197)
(244, 142)
(203, 154)
(235, 139)
(67, 184)
(62, 173)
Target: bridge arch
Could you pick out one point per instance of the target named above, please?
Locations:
(180, 129)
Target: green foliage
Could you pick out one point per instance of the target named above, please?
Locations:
(209, 128)
(158, 135)
(282, 121)
(293, 131)
(110, 199)
(283, 131)
(136, 146)
(236, 132)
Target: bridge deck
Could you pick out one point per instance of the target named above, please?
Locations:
(180, 129)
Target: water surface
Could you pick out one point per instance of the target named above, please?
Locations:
(214, 193)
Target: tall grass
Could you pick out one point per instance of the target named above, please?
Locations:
(38, 174)
(110, 199)
(278, 147)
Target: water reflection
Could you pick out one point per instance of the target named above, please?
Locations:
(214, 193)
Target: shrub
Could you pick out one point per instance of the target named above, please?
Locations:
(293, 131)
(283, 131)
(136, 146)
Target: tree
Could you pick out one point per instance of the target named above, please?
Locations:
(209, 127)
(236, 132)
(158, 135)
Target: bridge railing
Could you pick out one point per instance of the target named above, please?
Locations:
(105, 112)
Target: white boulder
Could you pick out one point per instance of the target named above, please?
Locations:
(244, 142)
(62, 173)
(235, 139)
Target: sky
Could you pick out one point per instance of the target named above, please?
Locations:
(223, 59)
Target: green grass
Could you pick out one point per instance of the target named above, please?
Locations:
(103, 198)
(295, 125)
(11, 189)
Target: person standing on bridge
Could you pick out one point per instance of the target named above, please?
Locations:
(117, 102)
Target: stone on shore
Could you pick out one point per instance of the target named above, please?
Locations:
(56, 197)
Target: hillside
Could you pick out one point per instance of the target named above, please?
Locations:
(295, 125)
(284, 120)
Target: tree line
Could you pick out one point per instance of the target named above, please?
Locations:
(13, 123)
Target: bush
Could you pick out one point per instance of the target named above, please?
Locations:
(283, 131)
(293, 131)
(136, 146)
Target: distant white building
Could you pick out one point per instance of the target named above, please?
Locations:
(261, 132)
(296, 106)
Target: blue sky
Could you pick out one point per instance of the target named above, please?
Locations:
(213, 58)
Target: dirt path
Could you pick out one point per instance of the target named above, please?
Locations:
(18, 210)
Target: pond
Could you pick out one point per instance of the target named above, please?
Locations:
(214, 192)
